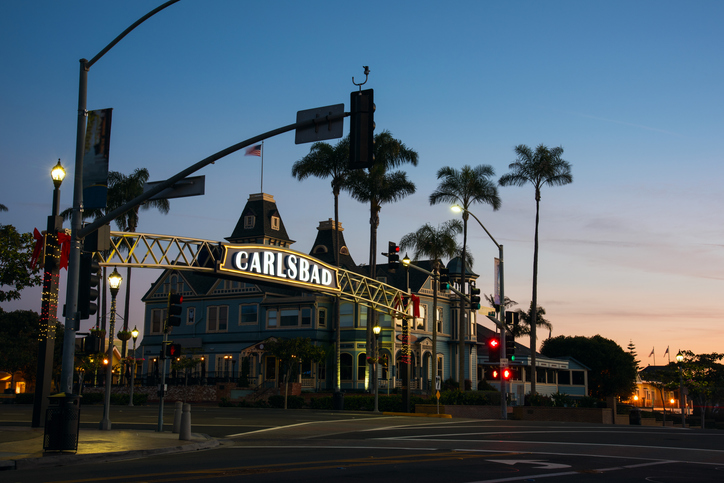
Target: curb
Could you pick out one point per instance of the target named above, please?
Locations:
(71, 459)
(420, 415)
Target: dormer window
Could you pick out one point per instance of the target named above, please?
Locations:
(249, 222)
(275, 223)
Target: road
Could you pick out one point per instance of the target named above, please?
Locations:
(271, 445)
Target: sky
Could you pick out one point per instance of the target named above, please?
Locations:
(632, 250)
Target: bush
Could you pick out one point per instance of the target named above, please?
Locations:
(450, 384)
(122, 399)
(92, 398)
(470, 398)
(561, 400)
(538, 400)
(590, 402)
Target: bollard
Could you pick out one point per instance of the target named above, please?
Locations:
(177, 417)
(185, 433)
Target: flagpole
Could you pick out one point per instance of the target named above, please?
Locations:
(262, 166)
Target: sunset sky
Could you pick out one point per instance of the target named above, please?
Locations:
(633, 249)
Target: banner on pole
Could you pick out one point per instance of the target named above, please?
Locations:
(496, 289)
(95, 159)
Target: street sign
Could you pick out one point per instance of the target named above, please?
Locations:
(193, 186)
(437, 395)
(437, 383)
(323, 129)
(503, 362)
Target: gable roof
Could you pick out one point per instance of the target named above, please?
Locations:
(262, 208)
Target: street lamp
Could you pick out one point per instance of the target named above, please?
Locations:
(679, 360)
(134, 334)
(503, 330)
(49, 302)
(114, 282)
(376, 330)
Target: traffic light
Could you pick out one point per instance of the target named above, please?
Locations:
(173, 350)
(492, 374)
(174, 310)
(512, 319)
(507, 373)
(510, 347)
(493, 349)
(88, 279)
(361, 129)
(474, 298)
(444, 279)
(393, 256)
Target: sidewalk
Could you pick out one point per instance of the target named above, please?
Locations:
(22, 447)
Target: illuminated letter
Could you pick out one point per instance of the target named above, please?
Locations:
(326, 277)
(280, 266)
(292, 266)
(255, 265)
(315, 274)
(268, 263)
(238, 260)
(303, 270)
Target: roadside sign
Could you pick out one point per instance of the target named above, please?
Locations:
(323, 129)
(503, 362)
(437, 383)
(437, 395)
(194, 186)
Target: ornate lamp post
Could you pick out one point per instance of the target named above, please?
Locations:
(114, 282)
(134, 334)
(376, 330)
(49, 304)
(679, 360)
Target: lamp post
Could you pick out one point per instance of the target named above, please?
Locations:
(679, 360)
(376, 330)
(503, 329)
(114, 282)
(134, 334)
(49, 302)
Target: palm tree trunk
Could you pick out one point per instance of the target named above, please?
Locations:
(435, 288)
(461, 323)
(372, 314)
(534, 315)
(125, 317)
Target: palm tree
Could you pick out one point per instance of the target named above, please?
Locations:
(122, 189)
(542, 167)
(434, 243)
(526, 319)
(3, 207)
(465, 187)
(378, 186)
(325, 161)
(507, 303)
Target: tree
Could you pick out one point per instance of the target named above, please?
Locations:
(632, 350)
(325, 161)
(465, 187)
(291, 353)
(515, 332)
(19, 343)
(612, 370)
(435, 243)
(526, 319)
(3, 207)
(542, 167)
(16, 271)
(703, 375)
(122, 189)
(378, 186)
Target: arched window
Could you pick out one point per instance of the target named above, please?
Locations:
(361, 366)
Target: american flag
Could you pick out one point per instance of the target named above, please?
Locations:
(254, 150)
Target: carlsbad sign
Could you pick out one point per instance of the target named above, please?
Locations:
(279, 265)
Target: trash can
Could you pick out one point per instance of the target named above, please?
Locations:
(338, 401)
(634, 417)
(62, 420)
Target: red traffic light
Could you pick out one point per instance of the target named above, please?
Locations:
(507, 373)
(495, 374)
(494, 343)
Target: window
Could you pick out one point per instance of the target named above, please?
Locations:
(275, 223)
(249, 221)
(158, 317)
(439, 320)
(306, 317)
(421, 322)
(271, 318)
(385, 320)
(564, 378)
(346, 315)
(361, 366)
(362, 316)
(578, 378)
(345, 366)
(439, 366)
(190, 315)
(322, 318)
(217, 318)
(248, 314)
(289, 318)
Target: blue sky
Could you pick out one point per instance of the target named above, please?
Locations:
(632, 250)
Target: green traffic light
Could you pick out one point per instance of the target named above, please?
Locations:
(512, 358)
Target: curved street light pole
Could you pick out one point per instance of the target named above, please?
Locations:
(114, 281)
(72, 320)
(134, 333)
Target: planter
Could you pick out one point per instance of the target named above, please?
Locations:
(124, 335)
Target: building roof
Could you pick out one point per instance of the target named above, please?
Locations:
(323, 247)
(260, 223)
